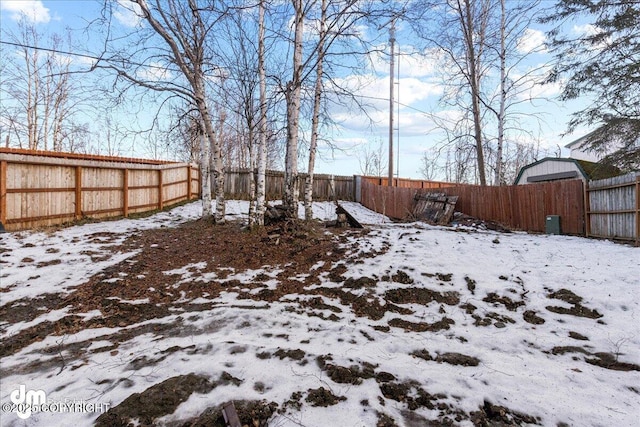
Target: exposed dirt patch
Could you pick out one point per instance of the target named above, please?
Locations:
(254, 413)
(27, 309)
(296, 354)
(492, 318)
(156, 401)
(610, 361)
(566, 296)
(471, 284)
(422, 296)
(494, 298)
(362, 282)
(343, 375)
(413, 396)
(532, 317)
(577, 336)
(323, 397)
(451, 358)
(601, 359)
(402, 277)
(491, 415)
(440, 325)
(577, 310)
(196, 247)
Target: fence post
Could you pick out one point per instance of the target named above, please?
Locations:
(637, 210)
(332, 187)
(125, 192)
(3, 191)
(188, 182)
(587, 210)
(78, 210)
(160, 196)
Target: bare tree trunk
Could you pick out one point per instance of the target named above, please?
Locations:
(252, 177)
(186, 46)
(317, 97)
(503, 94)
(469, 31)
(205, 173)
(47, 104)
(262, 142)
(293, 93)
(32, 98)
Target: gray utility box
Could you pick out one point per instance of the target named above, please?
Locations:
(553, 224)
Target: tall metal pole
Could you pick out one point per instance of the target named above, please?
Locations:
(392, 41)
(398, 127)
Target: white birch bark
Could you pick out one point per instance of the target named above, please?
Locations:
(503, 94)
(317, 98)
(262, 141)
(189, 58)
(205, 173)
(293, 93)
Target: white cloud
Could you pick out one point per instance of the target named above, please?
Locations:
(530, 85)
(589, 30)
(532, 41)
(586, 30)
(33, 10)
(128, 14)
(411, 63)
(413, 90)
(154, 72)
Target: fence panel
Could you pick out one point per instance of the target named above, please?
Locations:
(325, 187)
(614, 208)
(46, 188)
(523, 207)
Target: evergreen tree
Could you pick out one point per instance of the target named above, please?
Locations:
(601, 63)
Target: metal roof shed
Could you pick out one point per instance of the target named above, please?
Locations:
(556, 168)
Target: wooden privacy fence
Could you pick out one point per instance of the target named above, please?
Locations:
(46, 188)
(522, 207)
(325, 187)
(394, 202)
(613, 208)
(407, 183)
(526, 207)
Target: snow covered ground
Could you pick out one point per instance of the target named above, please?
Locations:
(546, 326)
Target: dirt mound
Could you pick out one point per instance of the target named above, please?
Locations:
(156, 401)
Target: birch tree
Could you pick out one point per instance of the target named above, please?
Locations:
(459, 30)
(40, 99)
(173, 40)
(335, 23)
(317, 98)
(482, 39)
(292, 97)
(262, 136)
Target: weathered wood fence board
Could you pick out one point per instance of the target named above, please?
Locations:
(525, 207)
(44, 188)
(613, 208)
(522, 207)
(325, 187)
